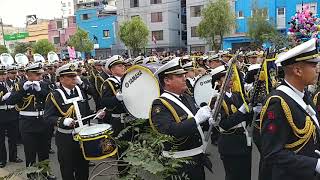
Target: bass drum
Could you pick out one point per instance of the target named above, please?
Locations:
(203, 90)
(139, 88)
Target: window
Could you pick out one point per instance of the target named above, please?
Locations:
(134, 16)
(155, 1)
(156, 17)
(194, 31)
(59, 24)
(74, 20)
(70, 12)
(69, 4)
(63, 4)
(264, 12)
(240, 14)
(195, 11)
(56, 40)
(312, 6)
(85, 16)
(106, 33)
(134, 3)
(280, 11)
(158, 35)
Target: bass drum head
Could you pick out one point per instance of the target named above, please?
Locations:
(203, 90)
(94, 129)
(139, 88)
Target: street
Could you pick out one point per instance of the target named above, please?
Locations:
(218, 170)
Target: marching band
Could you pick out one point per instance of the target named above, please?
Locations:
(236, 99)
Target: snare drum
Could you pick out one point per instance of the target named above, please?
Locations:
(139, 88)
(96, 142)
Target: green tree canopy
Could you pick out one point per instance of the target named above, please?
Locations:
(3, 49)
(260, 29)
(218, 19)
(43, 47)
(81, 42)
(22, 47)
(134, 34)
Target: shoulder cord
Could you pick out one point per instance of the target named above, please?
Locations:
(175, 116)
(303, 134)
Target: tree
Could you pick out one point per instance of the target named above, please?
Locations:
(21, 47)
(259, 27)
(134, 34)
(217, 20)
(277, 40)
(3, 49)
(81, 41)
(43, 47)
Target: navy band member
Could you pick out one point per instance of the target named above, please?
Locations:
(112, 97)
(174, 113)
(61, 112)
(190, 77)
(234, 145)
(112, 100)
(29, 97)
(8, 123)
(289, 123)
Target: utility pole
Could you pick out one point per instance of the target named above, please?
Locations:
(2, 32)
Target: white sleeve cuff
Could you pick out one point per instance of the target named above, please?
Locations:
(318, 166)
(243, 109)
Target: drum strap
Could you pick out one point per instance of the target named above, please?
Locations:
(74, 101)
(190, 115)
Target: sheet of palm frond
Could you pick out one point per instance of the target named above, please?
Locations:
(143, 157)
(35, 172)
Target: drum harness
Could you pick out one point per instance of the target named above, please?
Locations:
(74, 101)
(190, 152)
(122, 116)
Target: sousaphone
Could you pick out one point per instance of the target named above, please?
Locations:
(6, 59)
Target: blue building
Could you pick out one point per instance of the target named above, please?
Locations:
(279, 13)
(100, 23)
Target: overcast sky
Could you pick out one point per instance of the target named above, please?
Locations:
(15, 11)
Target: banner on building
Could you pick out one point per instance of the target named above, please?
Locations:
(16, 36)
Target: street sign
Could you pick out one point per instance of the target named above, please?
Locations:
(16, 36)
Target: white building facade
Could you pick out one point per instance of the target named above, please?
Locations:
(163, 18)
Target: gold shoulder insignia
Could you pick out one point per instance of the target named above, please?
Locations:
(157, 109)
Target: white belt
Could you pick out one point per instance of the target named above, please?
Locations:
(122, 115)
(5, 107)
(182, 154)
(31, 113)
(234, 127)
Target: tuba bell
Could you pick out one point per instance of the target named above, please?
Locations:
(21, 59)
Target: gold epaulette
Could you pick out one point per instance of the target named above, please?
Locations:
(16, 87)
(226, 109)
(315, 98)
(303, 135)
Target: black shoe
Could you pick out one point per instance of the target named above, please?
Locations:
(51, 151)
(17, 160)
(2, 164)
(91, 164)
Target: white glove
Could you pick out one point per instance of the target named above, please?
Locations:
(27, 85)
(67, 121)
(119, 96)
(78, 80)
(6, 96)
(257, 109)
(203, 114)
(36, 85)
(101, 113)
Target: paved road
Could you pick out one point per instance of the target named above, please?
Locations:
(217, 164)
